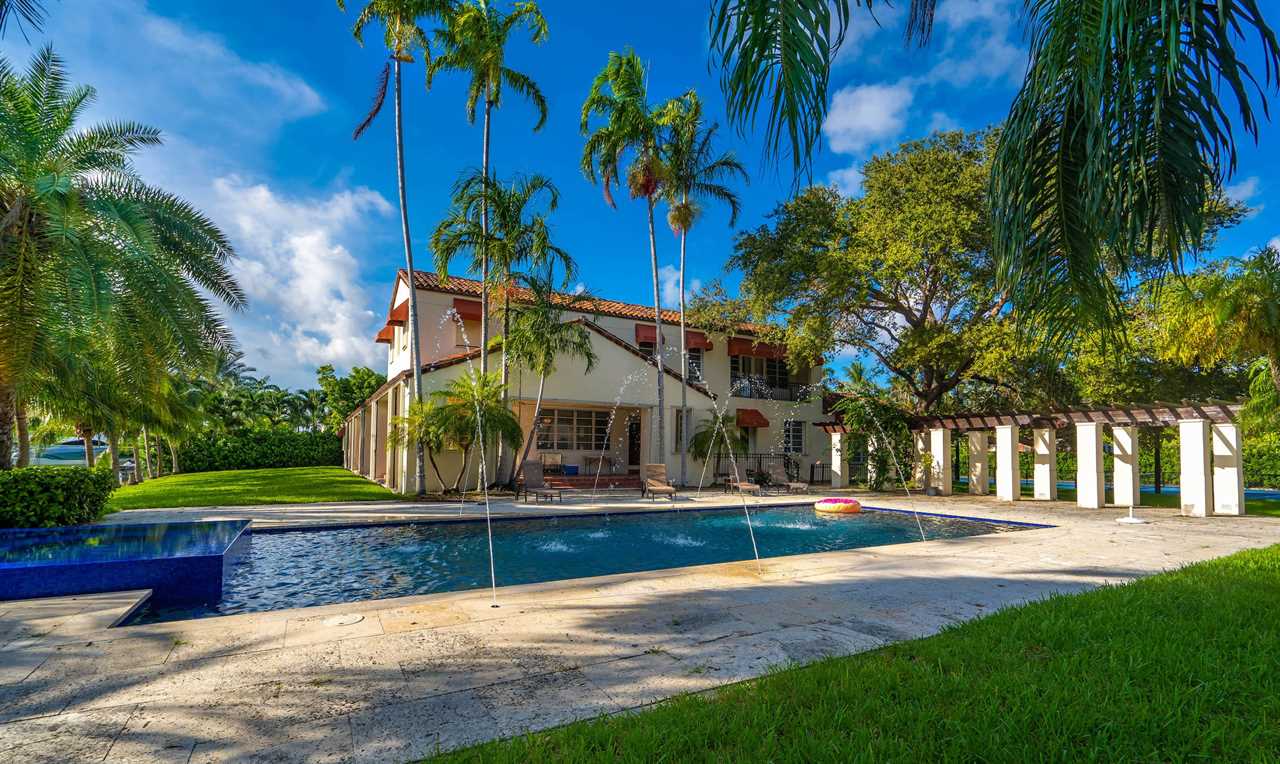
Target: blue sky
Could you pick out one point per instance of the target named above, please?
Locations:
(257, 103)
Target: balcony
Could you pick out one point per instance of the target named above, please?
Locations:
(760, 389)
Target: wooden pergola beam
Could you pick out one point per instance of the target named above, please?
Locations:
(1157, 414)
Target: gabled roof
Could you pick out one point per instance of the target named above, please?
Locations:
(471, 355)
(432, 282)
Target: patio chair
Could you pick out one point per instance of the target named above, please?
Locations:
(653, 482)
(742, 486)
(552, 463)
(534, 485)
(779, 478)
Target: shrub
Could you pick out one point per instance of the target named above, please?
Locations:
(1262, 461)
(258, 449)
(42, 497)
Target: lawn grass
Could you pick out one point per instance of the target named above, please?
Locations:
(1176, 667)
(1264, 507)
(290, 485)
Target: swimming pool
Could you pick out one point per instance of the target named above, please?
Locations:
(290, 569)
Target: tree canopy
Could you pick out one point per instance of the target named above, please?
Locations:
(904, 273)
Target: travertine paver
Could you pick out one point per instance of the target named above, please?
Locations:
(395, 680)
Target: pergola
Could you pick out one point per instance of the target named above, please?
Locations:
(1211, 466)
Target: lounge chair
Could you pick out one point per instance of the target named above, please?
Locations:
(742, 486)
(534, 485)
(552, 463)
(779, 477)
(653, 482)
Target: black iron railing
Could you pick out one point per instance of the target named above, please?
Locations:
(760, 389)
(758, 468)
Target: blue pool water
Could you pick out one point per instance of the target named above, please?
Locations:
(320, 567)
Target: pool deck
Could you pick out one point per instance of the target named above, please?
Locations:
(394, 680)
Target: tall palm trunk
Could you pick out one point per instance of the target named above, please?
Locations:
(684, 371)
(85, 431)
(24, 435)
(137, 452)
(113, 451)
(146, 452)
(484, 245)
(173, 459)
(533, 431)
(8, 408)
(657, 344)
(414, 352)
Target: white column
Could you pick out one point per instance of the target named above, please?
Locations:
(1091, 483)
(1045, 440)
(839, 461)
(940, 453)
(1125, 475)
(1195, 484)
(1228, 470)
(921, 440)
(978, 459)
(1008, 488)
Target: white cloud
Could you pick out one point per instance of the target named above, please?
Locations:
(980, 43)
(307, 305)
(847, 181)
(578, 288)
(864, 26)
(172, 75)
(669, 278)
(1244, 190)
(863, 115)
(941, 121)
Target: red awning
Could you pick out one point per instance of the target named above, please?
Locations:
(744, 346)
(696, 340)
(468, 309)
(399, 314)
(646, 333)
(751, 418)
(386, 334)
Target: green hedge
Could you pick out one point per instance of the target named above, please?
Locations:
(258, 449)
(1262, 461)
(42, 497)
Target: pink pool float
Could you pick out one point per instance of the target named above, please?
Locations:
(838, 506)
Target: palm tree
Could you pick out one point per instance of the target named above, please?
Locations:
(618, 95)
(403, 37)
(517, 233)
(1122, 128)
(30, 12)
(472, 414)
(718, 436)
(422, 423)
(84, 241)
(539, 334)
(695, 175)
(474, 41)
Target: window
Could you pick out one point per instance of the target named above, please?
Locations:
(647, 348)
(770, 372)
(792, 437)
(695, 364)
(574, 430)
(678, 440)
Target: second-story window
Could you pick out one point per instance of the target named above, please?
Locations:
(695, 364)
(647, 348)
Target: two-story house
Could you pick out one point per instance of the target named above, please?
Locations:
(597, 422)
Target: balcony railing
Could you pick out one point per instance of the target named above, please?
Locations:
(759, 388)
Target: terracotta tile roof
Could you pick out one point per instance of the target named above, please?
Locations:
(458, 285)
(470, 355)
